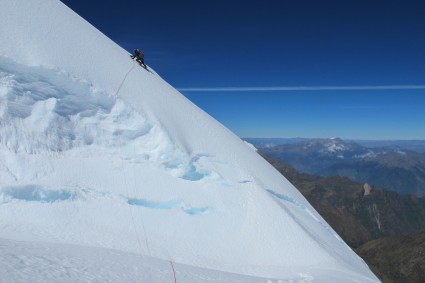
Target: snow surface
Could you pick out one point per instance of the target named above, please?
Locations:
(41, 262)
(98, 155)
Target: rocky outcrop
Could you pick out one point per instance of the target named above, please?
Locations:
(367, 188)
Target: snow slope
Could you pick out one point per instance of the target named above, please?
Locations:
(99, 153)
(47, 262)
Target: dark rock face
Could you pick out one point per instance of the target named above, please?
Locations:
(396, 258)
(357, 217)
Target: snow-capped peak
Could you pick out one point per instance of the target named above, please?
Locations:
(101, 153)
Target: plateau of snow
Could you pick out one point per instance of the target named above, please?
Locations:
(108, 173)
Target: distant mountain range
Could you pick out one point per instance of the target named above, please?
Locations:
(414, 145)
(392, 165)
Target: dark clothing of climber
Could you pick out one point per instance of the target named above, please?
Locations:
(140, 57)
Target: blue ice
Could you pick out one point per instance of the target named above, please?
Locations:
(152, 204)
(294, 202)
(192, 174)
(195, 210)
(168, 205)
(35, 193)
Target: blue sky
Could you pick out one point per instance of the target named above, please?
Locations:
(236, 60)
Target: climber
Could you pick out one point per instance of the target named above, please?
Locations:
(140, 57)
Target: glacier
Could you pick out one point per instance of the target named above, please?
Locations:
(103, 162)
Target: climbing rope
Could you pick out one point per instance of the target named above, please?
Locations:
(174, 272)
(123, 80)
(135, 185)
(131, 210)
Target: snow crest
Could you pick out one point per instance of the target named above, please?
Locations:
(44, 111)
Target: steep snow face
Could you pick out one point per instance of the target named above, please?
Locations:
(99, 152)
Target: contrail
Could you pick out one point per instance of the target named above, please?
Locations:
(301, 88)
